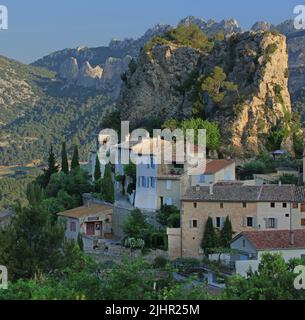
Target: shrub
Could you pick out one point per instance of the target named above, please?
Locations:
(160, 262)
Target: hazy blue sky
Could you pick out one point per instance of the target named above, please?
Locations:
(38, 27)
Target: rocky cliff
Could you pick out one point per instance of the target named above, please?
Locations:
(164, 82)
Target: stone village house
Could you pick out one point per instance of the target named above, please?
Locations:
(267, 207)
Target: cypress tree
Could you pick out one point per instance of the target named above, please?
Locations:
(107, 185)
(209, 240)
(226, 233)
(64, 159)
(97, 169)
(51, 169)
(75, 159)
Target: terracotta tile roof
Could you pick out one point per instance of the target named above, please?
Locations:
(275, 239)
(86, 211)
(212, 166)
(239, 193)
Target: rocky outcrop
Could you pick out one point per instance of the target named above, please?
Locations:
(256, 62)
(211, 27)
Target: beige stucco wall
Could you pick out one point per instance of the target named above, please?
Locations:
(191, 237)
(174, 243)
(176, 192)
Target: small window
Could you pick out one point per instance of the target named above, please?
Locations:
(193, 224)
(284, 205)
(72, 226)
(295, 206)
(272, 204)
(271, 223)
(244, 204)
(202, 178)
(221, 206)
(303, 222)
(303, 207)
(218, 222)
(250, 222)
(195, 205)
(287, 215)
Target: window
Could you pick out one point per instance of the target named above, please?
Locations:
(287, 215)
(72, 226)
(295, 206)
(143, 182)
(303, 207)
(303, 222)
(284, 205)
(153, 182)
(271, 223)
(250, 222)
(221, 206)
(244, 204)
(195, 205)
(168, 185)
(202, 179)
(272, 205)
(193, 224)
(218, 222)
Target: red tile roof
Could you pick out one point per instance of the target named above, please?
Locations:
(275, 239)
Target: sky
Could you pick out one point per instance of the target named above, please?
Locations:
(39, 27)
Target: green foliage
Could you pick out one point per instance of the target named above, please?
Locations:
(209, 240)
(169, 216)
(276, 137)
(107, 187)
(270, 50)
(75, 159)
(134, 244)
(135, 226)
(51, 169)
(64, 159)
(186, 35)
(273, 281)
(213, 137)
(160, 262)
(216, 86)
(97, 169)
(226, 233)
(289, 179)
(130, 171)
(31, 244)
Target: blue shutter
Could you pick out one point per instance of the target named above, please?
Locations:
(222, 222)
(254, 222)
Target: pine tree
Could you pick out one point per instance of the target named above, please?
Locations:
(64, 159)
(51, 169)
(226, 233)
(97, 170)
(75, 159)
(209, 240)
(107, 186)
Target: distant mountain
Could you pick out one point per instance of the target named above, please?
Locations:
(67, 93)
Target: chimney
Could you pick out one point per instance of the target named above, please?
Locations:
(211, 189)
(197, 188)
(291, 238)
